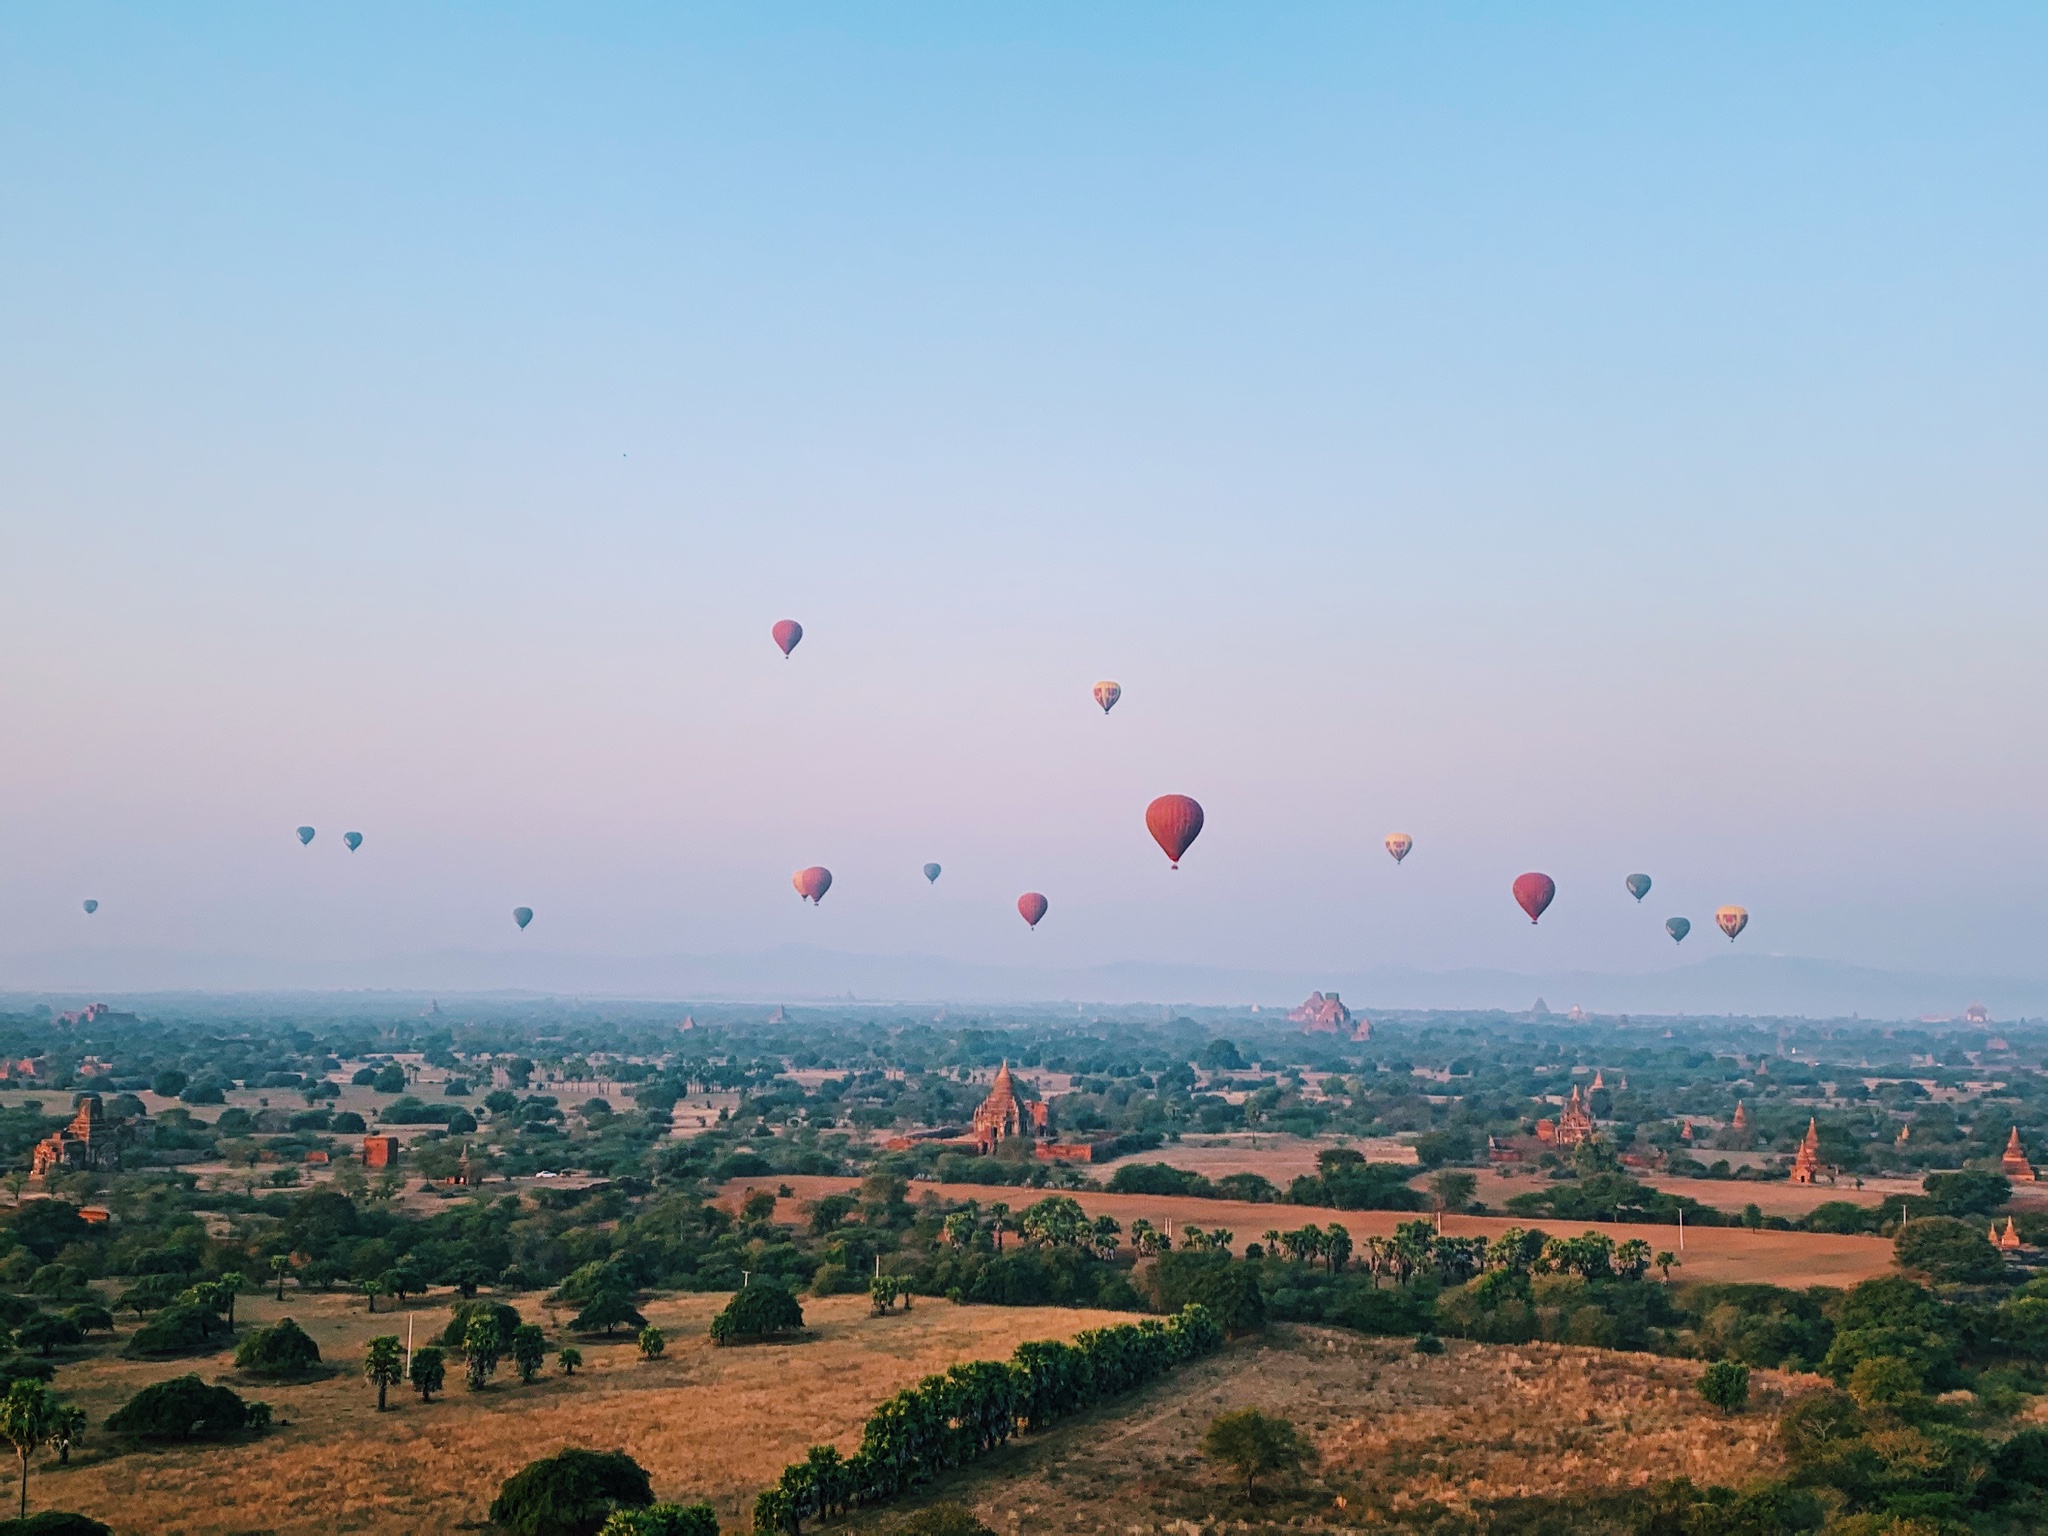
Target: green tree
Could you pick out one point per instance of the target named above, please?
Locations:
(569, 1359)
(1453, 1191)
(1664, 1261)
(1255, 1446)
(282, 1349)
(429, 1372)
(1946, 1249)
(372, 1289)
(756, 1311)
(66, 1431)
(571, 1493)
(1725, 1384)
(231, 1284)
(28, 1417)
(607, 1313)
(651, 1343)
(483, 1344)
(529, 1350)
(280, 1266)
(384, 1365)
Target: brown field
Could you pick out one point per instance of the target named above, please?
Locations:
(1711, 1253)
(705, 1422)
(1280, 1158)
(1779, 1197)
(1406, 1441)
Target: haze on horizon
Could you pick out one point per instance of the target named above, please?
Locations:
(1588, 445)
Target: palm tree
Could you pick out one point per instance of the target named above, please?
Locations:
(1664, 1260)
(67, 1432)
(231, 1283)
(28, 1414)
(1272, 1239)
(384, 1364)
(372, 1289)
(280, 1266)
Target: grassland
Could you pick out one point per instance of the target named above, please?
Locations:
(705, 1422)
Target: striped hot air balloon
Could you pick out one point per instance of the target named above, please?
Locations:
(1107, 693)
(1398, 844)
(1732, 920)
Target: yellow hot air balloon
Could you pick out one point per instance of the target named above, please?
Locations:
(1398, 844)
(1732, 920)
(1107, 693)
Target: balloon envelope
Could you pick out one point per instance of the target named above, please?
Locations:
(1031, 907)
(787, 632)
(1678, 928)
(1107, 693)
(1398, 844)
(305, 835)
(1174, 822)
(522, 915)
(1732, 920)
(812, 884)
(1638, 886)
(353, 839)
(91, 907)
(1533, 893)
(931, 871)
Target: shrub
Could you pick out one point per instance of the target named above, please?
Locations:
(1725, 1384)
(756, 1312)
(183, 1408)
(570, 1493)
(944, 1520)
(652, 1343)
(178, 1330)
(663, 1520)
(55, 1522)
(282, 1349)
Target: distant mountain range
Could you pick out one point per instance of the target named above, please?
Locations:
(1723, 984)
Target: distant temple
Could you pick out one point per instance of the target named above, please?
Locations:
(2014, 1164)
(1976, 1013)
(380, 1151)
(1573, 1125)
(2009, 1239)
(1806, 1166)
(1002, 1116)
(1321, 1015)
(1741, 1120)
(87, 1142)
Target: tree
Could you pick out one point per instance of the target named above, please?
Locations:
(756, 1312)
(1665, 1260)
(882, 1293)
(1453, 1191)
(28, 1416)
(402, 1280)
(66, 1431)
(569, 1359)
(372, 1289)
(606, 1313)
(230, 1286)
(42, 1333)
(651, 1343)
(429, 1372)
(183, 1408)
(571, 1493)
(666, 1520)
(384, 1365)
(1254, 1445)
(282, 1349)
(1946, 1249)
(483, 1344)
(529, 1348)
(1725, 1384)
(280, 1266)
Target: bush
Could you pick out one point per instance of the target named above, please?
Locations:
(570, 1493)
(180, 1330)
(1725, 1384)
(663, 1520)
(283, 1349)
(944, 1520)
(757, 1312)
(1946, 1249)
(183, 1408)
(55, 1522)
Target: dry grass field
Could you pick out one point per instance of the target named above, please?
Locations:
(1405, 1441)
(1779, 1197)
(705, 1422)
(1711, 1253)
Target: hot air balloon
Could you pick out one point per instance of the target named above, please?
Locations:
(1533, 893)
(353, 839)
(91, 907)
(1678, 928)
(931, 872)
(812, 884)
(1107, 693)
(522, 915)
(1174, 821)
(1732, 920)
(1638, 886)
(1031, 907)
(787, 632)
(1398, 844)
(305, 836)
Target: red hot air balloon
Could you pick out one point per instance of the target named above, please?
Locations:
(1533, 893)
(787, 632)
(1174, 821)
(812, 884)
(1031, 907)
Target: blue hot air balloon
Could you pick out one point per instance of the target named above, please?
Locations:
(522, 915)
(1678, 928)
(1638, 886)
(353, 839)
(91, 907)
(305, 835)
(931, 871)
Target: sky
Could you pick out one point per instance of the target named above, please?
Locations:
(1586, 443)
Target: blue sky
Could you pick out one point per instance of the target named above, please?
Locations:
(1587, 445)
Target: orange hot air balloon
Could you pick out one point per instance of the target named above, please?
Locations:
(787, 632)
(1732, 920)
(1174, 821)
(1533, 893)
(812, 884)
(1107, 693)
(1398, 844)
(1031, 907)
